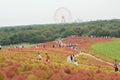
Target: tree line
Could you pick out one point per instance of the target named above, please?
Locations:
(49, 32)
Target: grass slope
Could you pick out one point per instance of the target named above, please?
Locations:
(109, 49)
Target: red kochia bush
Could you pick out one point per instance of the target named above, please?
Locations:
(67, 70)
(19, 77)
(68, 77)
(2, 75)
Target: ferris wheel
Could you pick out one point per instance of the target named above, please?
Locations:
(62, 15)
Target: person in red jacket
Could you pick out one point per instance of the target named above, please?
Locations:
(47, 58)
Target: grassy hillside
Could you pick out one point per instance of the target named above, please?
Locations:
(21, 63)
(109, 49)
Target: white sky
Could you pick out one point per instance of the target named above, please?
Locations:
(23, 12)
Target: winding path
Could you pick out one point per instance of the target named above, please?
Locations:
(83, 53)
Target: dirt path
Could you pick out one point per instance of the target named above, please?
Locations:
(83, 53)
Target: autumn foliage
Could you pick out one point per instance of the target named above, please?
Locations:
(21, 63)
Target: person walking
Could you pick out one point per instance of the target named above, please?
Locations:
(47, 57)
(72, 57)
(39, 56)
(0, 47)
(116, 66)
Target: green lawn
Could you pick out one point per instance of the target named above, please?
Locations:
(109, 49)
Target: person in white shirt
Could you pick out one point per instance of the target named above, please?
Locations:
(39, 56)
